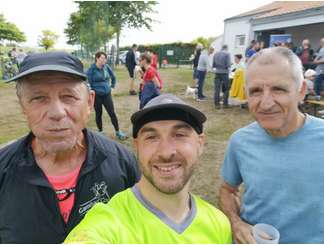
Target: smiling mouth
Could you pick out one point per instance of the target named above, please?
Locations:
(167, 168)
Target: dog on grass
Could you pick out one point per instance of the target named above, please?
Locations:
(191, 92)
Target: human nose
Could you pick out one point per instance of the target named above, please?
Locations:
(267, 101)
(166, 149)
(56, 110)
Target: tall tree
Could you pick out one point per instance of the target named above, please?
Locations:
(96, 22)
(47, 39)
(89, 26)
(10, 32)
(131, 14)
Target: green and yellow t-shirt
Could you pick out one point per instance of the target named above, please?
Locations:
(130, 218)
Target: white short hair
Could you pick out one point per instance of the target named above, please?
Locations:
(264, 56)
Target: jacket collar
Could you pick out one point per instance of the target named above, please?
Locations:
(25, 165)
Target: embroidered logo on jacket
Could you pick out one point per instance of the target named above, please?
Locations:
(100, 195)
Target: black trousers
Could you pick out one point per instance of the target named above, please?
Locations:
(107, 102)
(221, 80)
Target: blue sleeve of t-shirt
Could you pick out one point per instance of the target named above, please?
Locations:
(230, 169)
(250, 53)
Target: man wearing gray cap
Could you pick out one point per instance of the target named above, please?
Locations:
(50, 178)
(168, 138)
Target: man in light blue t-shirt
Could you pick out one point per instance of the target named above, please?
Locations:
(279, 158)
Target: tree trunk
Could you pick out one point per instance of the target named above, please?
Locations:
(117, 47)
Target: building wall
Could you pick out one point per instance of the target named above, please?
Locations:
(233, 28)
(217, 43)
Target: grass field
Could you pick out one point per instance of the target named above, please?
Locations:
(218, 128)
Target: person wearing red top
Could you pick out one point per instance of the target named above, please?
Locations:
(152, 83)
(154, 61)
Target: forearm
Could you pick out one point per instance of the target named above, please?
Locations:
(229, 205)
(319, 61)
(156, 82)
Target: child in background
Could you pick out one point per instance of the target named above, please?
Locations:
(310, 76)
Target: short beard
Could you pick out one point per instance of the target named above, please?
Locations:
(170, 190)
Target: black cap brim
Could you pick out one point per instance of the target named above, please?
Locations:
(40, 68)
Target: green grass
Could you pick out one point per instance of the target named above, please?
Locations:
(218, 128)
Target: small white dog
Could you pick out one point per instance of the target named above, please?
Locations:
(191, 92)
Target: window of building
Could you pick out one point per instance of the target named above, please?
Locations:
(239, 41)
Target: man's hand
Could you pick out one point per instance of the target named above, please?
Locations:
(229, 200)
(242, 232)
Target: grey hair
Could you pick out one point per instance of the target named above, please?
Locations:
(264, 57)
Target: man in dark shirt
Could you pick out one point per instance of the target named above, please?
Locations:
(130, 64)
(50, 178)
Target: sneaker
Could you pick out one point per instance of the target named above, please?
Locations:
(202, 99)
(103, 133)
(132, 92)
(121, 136)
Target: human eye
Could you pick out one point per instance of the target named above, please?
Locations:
(38, 98)
(278, 89)
(181, 134)
(255, 91)
(69, 97)
(150, 137)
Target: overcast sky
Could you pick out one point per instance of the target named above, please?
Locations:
(179, 20)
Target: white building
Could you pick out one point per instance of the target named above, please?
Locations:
(300, 19)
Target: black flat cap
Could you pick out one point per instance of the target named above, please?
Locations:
(50, 61)
(168, 107)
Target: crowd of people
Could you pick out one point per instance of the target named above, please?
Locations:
(11, 61)
(229, 81)
(64, 182)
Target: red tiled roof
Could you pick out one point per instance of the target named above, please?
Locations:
(282, 7)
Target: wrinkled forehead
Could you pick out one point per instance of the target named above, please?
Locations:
(49, 81)
(51, 76)
(274, 68)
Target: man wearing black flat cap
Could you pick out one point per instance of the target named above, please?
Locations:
(168, 138)
(50, 178)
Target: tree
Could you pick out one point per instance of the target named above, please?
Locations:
(206, 42)
(89, 26)
(97, 22)
(10, 32)
(47, 39)
(131, 14)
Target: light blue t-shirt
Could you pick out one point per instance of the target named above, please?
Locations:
(283, 179)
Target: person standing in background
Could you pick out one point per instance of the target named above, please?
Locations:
(130, 64)
(102, 79)
(202, 68)
(221, 65)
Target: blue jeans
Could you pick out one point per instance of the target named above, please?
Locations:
(318, 83)
(221, 80)
(201, 80)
